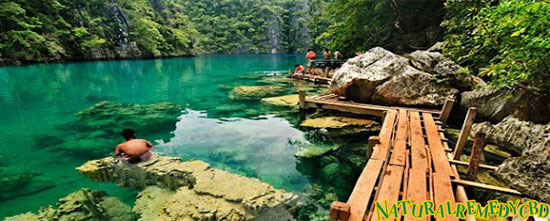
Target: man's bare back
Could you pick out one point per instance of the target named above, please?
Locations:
(133, 148)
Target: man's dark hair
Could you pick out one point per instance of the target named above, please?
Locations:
(128, 134)
(309, 49)
(296, 65)
(326, 49)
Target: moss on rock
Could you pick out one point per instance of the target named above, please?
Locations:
(254, 92)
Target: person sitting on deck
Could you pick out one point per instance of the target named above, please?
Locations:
(310, 56)
(299, 69)
(327, 54)
(133, 150)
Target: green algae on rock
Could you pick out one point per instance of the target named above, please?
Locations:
(82, 205)
(254, 92)
(96, 131)
(193, 190)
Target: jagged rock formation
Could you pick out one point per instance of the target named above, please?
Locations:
(283, 101)
(496, 105)
(529, 172)
(382, 77)
(179, 190)
(82, 205)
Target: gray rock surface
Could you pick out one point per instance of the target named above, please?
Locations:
(191, 190)
(381, 77)
(530, 172)
(495, 105)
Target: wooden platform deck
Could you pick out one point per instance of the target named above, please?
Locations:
(410, 159)
(409, 162)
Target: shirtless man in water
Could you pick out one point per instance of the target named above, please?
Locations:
(133, 150)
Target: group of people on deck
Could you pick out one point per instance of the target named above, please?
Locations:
(311, 56)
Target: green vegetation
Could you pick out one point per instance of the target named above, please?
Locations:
(507, 41)
(54, 30)
(398, 25)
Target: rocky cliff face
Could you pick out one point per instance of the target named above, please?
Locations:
(176, 190)
(529, 172)
(382, 77)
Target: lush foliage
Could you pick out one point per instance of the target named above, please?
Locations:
(398, 25)
(507, 40)
(50, 30)
(257, 26)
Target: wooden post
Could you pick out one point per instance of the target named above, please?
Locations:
(475, 159)
(446, 110)
(460, 193)
(339, 211)
(302, 99)
(373, 140)
(325, 74)
(464, 133)
(290, 73)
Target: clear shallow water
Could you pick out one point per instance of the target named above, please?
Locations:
(245, 137)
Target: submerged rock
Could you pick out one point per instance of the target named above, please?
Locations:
(82, 205)
(17, 181)
(97, 130)
(495, 105)
(337, 122)
(283, 101)
(381, 77)
(254, 92)
(530, 172)
(193, 190)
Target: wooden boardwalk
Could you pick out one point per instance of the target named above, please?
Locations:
(410, 159)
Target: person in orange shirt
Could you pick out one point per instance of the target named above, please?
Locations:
(299, 69)
(310, 56)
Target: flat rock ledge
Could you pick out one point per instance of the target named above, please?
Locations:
(191, 190)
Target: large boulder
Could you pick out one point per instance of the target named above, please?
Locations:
(530, 172)
(382, 77)
(191, 190)
(497, 104)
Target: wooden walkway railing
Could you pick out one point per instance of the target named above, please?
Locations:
(410, 160)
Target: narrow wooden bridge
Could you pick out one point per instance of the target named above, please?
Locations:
(410, 159)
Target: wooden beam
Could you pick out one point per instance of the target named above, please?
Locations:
(482, 166)
(460, 193)
(339, 211)
(373, 141)
(364, 187)
(472, 184)
(302, 99)
(464, 133)
(475, 158)
(446, 110)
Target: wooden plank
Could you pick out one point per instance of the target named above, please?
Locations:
(439, 158)
(390, 186)
(417, 191)
(327, 105)
(475, 159)
(464, 133)
(472, 184)
(443, 192)
(399, 153)
(361, 194)
(419, 159)
(381, 150)
(462, 163)
(446, 111)
(302, 99)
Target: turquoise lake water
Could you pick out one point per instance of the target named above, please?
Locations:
(241, 136)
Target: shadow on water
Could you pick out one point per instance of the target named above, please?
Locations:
(55, 117)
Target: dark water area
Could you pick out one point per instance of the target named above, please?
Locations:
(44, 135)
